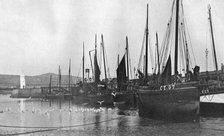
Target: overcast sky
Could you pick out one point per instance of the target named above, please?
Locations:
(38, 35)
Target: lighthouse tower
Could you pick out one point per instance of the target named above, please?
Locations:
(22, 81)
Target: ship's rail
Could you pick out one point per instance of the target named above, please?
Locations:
(210, 89)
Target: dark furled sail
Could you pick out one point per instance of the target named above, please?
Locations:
(97, 70)
(166, 75)
(121, 75)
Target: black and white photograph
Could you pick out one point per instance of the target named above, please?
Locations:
(111, 67)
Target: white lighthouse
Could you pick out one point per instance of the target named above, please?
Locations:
(22, 81)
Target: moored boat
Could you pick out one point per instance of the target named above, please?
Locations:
(165, 96)
(96, 92)
(125, 91)
(174, 104)
(212, 93)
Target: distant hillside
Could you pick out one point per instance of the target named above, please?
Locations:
(39, 80)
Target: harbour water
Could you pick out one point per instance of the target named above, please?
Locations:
(38, 117)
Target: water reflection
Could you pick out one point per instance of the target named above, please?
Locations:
(97, 125)
(22, 110)
(52, 113)
(35, 112)
(82, 119)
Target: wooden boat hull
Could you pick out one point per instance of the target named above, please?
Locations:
(93, 95)
(210, 109)
(118, 98)
(54, 96)
(102, 99)
(176, 105)
(94, 99)
(127, 98)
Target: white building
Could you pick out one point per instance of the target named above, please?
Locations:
(22, 81)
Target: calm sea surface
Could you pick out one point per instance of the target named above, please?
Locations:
(37, 117)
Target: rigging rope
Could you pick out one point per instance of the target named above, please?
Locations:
(151, 54)
(108, 70)
(80, 67)
(156, 59)
(165, 49)
(100, 63)
(182, 51)
(195, 62)
(141, 53)
(130, 68)
(189, 39)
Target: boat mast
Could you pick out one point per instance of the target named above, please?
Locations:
(83, 65)
(117, 60)
(213, 41)
(105, 71)
(127, 58)
(59, 78)
(206, 56)
(95, 57)
(157, 46)
(69, 76)
(176, 37)
(187, 57)
(91, 63)
(146, 45)
(50, 84)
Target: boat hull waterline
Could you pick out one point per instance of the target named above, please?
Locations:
(178, 105)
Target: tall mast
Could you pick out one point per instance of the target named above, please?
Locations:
(144, 64)
(117, 60)
(69, 76)
(176, 37)
(59, 77)
(95, 44)
(187, 57)
(105, 71)
(91, 63)
(157, 47)
(213, 41)
(146, 44)
(127, 58)
(206, 57)
(95, 57)
(50, 84)
(83, 64)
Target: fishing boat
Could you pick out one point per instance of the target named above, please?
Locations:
(57, 92)
(96, 92)
(167, 95)
(125, 91)
(68, 92)
(212, 97)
